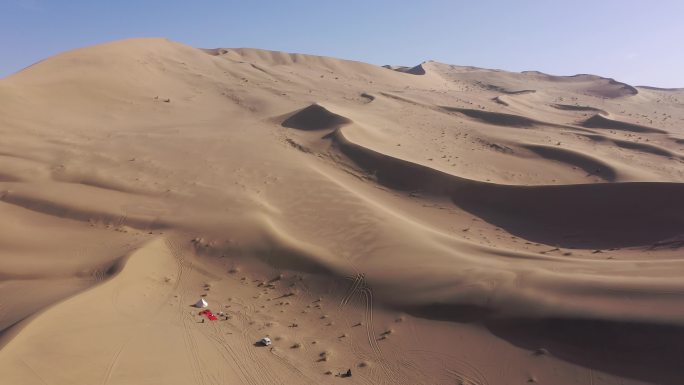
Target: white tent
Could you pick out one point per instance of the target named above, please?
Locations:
(201, 303)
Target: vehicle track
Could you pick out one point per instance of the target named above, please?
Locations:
(357, 281)
(185, 321)
(117, 355)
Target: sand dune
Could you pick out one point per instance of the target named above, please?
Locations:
(415, 70)
(314, 117)
(600, 121)
(612, 218)
(500, 100)
(579, 216)
(465, 225)
(661, 89)
(585, 162)
(497, 118)
(637, 146)
(570, 107)
(493, 80)
(596, 85)
(506, 91)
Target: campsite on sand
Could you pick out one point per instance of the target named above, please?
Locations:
(177, 215)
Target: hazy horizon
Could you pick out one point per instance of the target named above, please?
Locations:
(631, 41)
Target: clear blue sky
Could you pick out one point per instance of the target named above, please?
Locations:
(637, 41)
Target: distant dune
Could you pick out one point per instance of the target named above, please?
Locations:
(429, 224)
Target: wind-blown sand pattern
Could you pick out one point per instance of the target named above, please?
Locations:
(433, 224)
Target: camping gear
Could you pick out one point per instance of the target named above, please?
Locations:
(202, 303)
(207, 313)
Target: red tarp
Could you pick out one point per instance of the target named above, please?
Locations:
(208, 314)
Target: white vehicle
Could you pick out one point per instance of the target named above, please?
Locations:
(265, 341)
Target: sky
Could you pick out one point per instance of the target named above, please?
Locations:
(640, 42)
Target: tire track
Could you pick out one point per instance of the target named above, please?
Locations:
(230, 356)
(357, 282)
(224, 347)
(113, 362)
(263, 370)
(293, 368)
(189, 342)
(392, 373)
(372, 341)
(385, 374)
(195, 358)
(259, 376)
(36, 372)
(115, 293)
(368, 316)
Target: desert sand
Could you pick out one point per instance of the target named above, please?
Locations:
(434, 224)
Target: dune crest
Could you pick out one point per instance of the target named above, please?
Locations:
(600, 121)
(314, 117)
